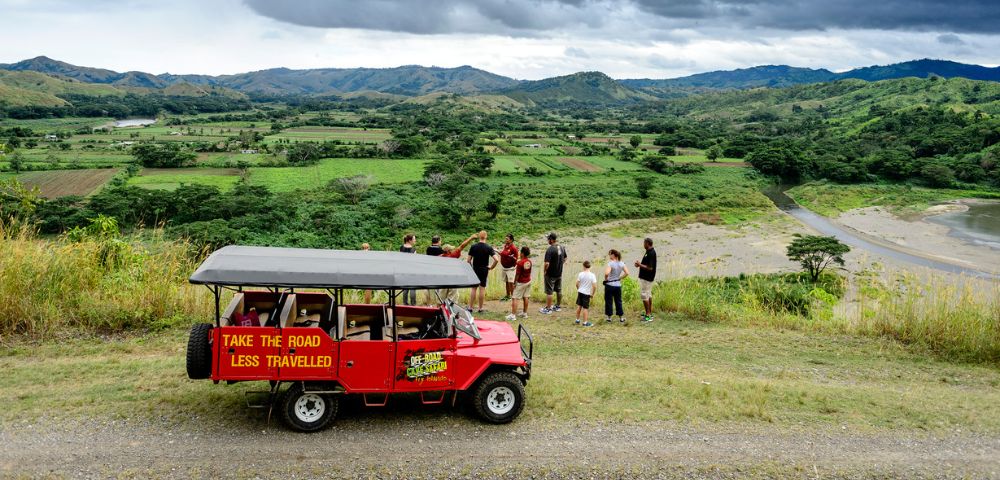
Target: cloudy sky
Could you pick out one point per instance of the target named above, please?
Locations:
(525, 39)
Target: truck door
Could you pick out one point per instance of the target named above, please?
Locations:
(365, 365)
(307, 353)
(423, 365)
(245, 353)
(366, 353)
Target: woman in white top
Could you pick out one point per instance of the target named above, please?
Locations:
(615, 272)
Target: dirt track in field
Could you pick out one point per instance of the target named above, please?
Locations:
(578, 164)
(437, 442)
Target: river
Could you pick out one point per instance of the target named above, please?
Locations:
(826, 227)
(980, 224)
(134, 122)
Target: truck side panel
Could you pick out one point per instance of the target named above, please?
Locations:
(242, 353)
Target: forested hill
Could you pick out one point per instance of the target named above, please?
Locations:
(784, 76)
(408, 80)
(583, 87)
(593, 88)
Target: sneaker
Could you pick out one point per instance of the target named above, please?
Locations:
(557, 308)
(588, 324)
(480, 310)
(523, 315)
(545, 311)
(607, 319)
(647, 318)
(578, 321)
(510, 317)
(621, 319)
(505, 298)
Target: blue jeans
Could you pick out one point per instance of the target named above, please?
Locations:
(613, 294)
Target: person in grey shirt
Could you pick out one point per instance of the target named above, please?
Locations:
(614, 273)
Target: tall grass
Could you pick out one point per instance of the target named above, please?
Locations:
(98, 283)
(955, 319)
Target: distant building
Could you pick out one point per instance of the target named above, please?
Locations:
(248, 151)
(571, 136)
(52, 138)
(176, 133)
(533, 145)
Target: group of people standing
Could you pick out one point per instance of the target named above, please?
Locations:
(517, 274)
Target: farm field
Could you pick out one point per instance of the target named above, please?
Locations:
(291, 178)
(171, 178)
(321, 134)
(59, 183)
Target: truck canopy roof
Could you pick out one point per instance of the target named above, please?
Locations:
(306, 267)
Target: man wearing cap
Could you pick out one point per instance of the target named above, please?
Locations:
(555, 257)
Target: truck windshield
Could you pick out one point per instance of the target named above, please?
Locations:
(462, 319)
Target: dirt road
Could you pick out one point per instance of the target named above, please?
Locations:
(416, 442)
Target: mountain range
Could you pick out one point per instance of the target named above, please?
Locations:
(413, 80)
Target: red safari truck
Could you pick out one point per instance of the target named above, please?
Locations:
(287, 323)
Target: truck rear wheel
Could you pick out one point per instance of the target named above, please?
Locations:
(199, 351)
(499, 397)
(306, 411)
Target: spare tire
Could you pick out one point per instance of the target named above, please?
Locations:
(199, 351)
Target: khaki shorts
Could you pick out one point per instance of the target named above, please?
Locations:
(645, 289)
(508, 274)
(448, 294)
(522, 290)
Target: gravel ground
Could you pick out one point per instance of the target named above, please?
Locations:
(442, 443)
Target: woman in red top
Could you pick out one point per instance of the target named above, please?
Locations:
(508, 260)
(522, 285)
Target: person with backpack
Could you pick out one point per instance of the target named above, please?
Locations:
(614, 273)
(555, 258)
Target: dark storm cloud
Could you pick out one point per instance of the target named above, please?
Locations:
(950, 39)
(434, 16)
(973, 16)
(533, 17)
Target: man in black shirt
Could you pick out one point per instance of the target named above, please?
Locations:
(647, 273)
(479, 256)
(435, 249)
(555, 257)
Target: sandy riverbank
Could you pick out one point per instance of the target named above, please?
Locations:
(915, 234)
(700, 249)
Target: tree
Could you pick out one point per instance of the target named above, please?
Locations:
(778, 160)
(561, 210)
(303, 153)
(713, 153)
(352, 188)
(815, 253)
(16, 161)
(643, 185)
(635, 141)
(493, 205)
(163, 156)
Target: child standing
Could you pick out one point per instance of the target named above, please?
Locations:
(586, 282)
(522, 284)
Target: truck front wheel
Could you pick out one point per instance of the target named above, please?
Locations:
(306, 411)
(499, 398)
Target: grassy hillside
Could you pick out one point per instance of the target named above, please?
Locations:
(594, 88)
(33, 88)
(851, 101)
